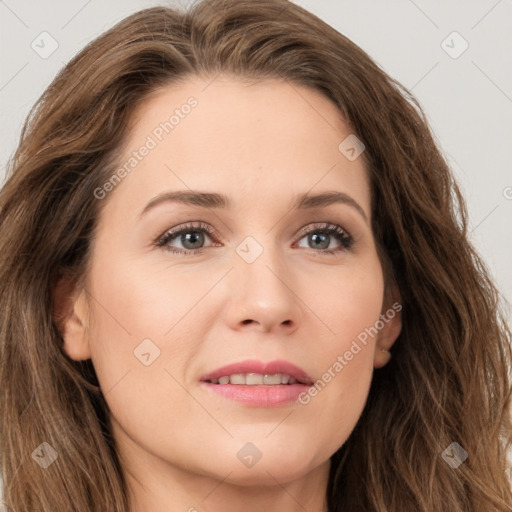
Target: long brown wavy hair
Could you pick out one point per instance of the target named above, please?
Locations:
(448, 380)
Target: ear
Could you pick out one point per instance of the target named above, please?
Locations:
(391, 318)
(70, 316)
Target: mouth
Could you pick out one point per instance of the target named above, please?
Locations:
(257, 373)
(258, 384)
(257, 379)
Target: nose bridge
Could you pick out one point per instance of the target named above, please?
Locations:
(263, 281)
(261, 258)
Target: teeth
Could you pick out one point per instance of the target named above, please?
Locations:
(238, 378)
(272, 379)
(255, 379)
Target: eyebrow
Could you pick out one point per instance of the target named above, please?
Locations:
(218, 201)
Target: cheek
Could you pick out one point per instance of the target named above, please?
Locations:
(133, 325)
(349, 308)
(143, 333)
(348, 303)
(134, 302)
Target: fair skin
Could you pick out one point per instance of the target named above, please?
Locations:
(261, 145)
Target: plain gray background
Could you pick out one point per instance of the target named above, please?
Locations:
(467, 96)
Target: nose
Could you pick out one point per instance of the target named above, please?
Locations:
(263, 294)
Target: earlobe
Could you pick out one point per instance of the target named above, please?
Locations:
(392, 326)
(381, 358)
(70, 316)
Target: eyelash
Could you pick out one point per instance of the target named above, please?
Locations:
(326, 228)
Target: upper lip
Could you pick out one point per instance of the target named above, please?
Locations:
(254, 366)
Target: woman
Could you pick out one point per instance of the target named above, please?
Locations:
(218, 227)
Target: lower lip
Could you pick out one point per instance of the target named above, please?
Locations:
(259, 396)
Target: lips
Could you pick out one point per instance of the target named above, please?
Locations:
(257, 384)
(261, 368)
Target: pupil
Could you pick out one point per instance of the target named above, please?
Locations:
(193, 236)
(325, 239)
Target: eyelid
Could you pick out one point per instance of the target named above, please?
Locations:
(319, 226)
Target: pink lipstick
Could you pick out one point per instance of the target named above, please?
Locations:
(258, 384)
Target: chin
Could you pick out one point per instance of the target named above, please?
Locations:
(269, 470)
(260, 475)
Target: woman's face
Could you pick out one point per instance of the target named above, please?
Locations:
(257, 284)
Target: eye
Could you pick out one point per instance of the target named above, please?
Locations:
(322, 235)
(192, 238)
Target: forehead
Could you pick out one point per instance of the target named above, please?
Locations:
(245, 139)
